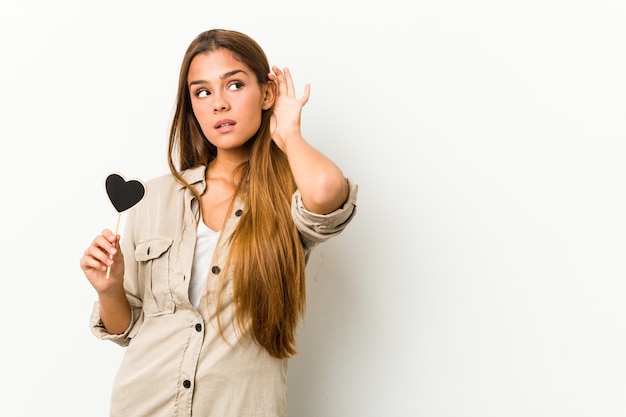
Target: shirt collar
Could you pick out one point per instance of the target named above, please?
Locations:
(195, 177)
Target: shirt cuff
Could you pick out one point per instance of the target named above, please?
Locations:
(320, 227)
(98, 329)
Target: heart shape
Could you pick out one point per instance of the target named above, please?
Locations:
(124, 194)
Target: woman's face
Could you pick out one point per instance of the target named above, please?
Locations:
(226, 98)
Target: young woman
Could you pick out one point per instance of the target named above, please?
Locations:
(207, 287)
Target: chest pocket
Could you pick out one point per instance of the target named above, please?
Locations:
(153, 258)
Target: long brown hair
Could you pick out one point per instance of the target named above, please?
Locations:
(266, 258)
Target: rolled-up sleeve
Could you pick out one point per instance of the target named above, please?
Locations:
(122, 339)
(315, 228)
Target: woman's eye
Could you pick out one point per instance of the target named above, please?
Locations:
(202, 93)
(234, 86)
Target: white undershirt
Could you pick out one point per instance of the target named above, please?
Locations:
(206, 241)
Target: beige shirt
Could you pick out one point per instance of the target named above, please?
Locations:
(175, 362)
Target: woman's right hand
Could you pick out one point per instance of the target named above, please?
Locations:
(104, 253)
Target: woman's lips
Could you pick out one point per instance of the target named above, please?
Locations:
(224, 124)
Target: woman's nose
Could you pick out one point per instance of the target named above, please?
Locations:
(219, 103)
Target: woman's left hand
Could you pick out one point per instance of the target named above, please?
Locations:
(287, 108)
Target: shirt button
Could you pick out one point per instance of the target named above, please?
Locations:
(215, 269)
(198, 327)
(239, 212)
(187, 383)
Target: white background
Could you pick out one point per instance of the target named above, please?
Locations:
(484, 272)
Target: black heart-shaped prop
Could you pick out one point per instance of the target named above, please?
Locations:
(124, 194)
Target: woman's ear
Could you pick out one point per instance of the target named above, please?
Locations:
(270, 95)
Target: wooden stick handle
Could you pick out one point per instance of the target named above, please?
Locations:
(117, 225)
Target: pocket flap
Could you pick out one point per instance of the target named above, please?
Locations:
(152, 249)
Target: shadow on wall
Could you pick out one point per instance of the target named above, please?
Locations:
(337, 336)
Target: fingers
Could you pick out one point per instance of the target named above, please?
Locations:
(279, 77)
(101, 251)
(305, 96)
(289, 82)
(284, 80)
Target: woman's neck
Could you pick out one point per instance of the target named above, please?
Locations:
(224, 166)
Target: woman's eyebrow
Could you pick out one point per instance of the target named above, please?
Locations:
(223, 76)
(231, 73)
